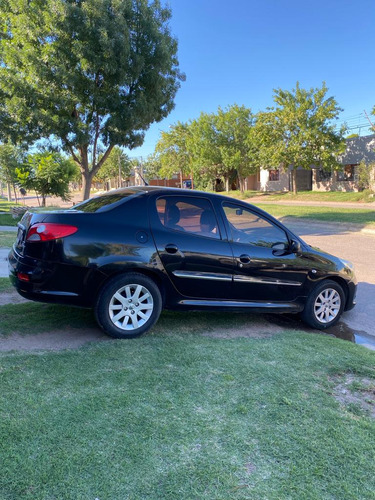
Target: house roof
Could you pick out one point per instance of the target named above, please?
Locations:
(358, 149)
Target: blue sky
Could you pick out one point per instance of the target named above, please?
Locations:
(238, 51)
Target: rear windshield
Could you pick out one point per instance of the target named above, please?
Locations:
(105, 202)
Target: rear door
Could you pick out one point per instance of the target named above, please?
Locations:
(191, 244)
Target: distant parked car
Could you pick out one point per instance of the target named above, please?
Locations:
(132, 252)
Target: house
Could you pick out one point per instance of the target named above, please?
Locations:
(358, 149)
(319, 179)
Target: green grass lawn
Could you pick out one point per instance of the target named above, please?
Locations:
(7, 238)
(6, 205)
(327, 214)
(178, 415)
(338, 196)
(5, 287)
(7, 220)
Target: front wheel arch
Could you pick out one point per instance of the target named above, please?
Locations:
(324, 305)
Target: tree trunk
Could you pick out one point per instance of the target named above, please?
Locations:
(15, 193)
(86, 184)
(227, 184)
(9, 191)
(181, 179)
(294, 180)
(43, 200)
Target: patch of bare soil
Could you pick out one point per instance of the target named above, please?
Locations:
(11, 298)
(55, 340)
(354, 391)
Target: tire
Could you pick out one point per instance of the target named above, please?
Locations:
(128, 306)
(324, 305)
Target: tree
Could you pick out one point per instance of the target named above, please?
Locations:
(220, 147)
(48, 174)
(173, 151)
(117, 166)
(205, 149)
(299, 131)
(152, 167)
(91, 73)
(365, 175)
(233, 126)
(11, 158)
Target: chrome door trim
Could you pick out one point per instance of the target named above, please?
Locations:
(264, 281)
(202, 275)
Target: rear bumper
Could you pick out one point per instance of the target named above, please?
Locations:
(48, 282)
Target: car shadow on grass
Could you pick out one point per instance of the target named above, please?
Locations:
(37, 327)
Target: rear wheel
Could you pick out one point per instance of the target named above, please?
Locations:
(324, 305)
(128, 306)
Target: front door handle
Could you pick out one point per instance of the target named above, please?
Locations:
(170, 248)
(245, 259)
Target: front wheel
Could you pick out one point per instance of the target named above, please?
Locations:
(324, 305)
(128, 306)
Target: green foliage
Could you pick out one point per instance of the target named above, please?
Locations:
(11, 158)
(205, 148)
(152, 166)
(48, 174)
(116, 162)
(364, 175)
(300, 131)
(92, 74)
(174, 153)
(234, 125)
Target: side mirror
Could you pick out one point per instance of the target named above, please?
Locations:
(279, 249)
(295, 246)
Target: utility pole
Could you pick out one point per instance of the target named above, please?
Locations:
(372, 125)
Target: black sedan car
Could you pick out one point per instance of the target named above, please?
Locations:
(132, 252)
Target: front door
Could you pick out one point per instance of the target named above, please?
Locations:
(188, 238)
(261, 271)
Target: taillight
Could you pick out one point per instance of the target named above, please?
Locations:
(45, 231)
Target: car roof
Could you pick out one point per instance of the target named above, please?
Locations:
(167, 190)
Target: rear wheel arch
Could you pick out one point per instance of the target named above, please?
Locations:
(128, 305)
(146, 272)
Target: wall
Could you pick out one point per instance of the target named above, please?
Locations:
(281, 185)
(333, 184)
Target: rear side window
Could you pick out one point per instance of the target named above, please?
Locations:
(191, 215)
(105, 202)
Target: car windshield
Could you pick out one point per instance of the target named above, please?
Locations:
(105, 202)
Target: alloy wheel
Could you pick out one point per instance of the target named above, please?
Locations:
(327, 305)
(131, 307)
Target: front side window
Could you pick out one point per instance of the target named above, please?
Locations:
(191, 215)
(249, 227)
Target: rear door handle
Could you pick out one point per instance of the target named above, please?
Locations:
(245, 259)
(170, 248)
